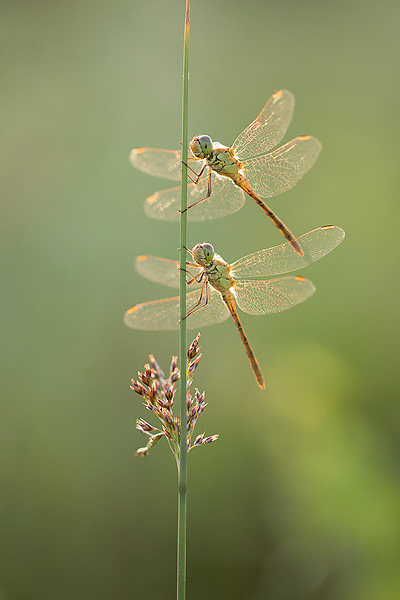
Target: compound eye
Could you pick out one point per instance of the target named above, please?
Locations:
(208, 250)
(201, 146)
(206, 144)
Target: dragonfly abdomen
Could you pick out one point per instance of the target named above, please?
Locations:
(242, 182)
(229, 300)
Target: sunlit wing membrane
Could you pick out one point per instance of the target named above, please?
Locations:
(159, 270)
(164, 314)
(278, 171)
(268, 129)
(226, 198)
(281, 259)
(162, 163)
(271, 295)
(157, 162)
(164, 271)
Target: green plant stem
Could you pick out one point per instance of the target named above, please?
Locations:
(182, 466)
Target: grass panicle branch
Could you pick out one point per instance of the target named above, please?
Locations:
(158, 394)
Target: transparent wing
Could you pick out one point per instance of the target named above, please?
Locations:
(162, 163)
(272, 295)
(278, 171)
(164, 314)
(267, 130)
(226, 198)
(163, 270)
(281, 259)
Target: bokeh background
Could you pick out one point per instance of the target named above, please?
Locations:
(299, 498)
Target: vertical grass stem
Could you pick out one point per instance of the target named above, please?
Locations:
(182, 467)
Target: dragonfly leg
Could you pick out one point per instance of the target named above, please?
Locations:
(198, 175)
(208, 192)
(198, 304)
(194, 278)
(189, 251)
(197, 277)
(189, 264)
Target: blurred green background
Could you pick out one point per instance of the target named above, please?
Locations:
(299, 498)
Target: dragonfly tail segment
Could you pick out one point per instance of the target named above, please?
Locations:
(230, 303)
(285, 231)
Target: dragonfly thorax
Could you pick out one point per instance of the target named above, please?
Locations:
(218, 275)
(223, 160)
(219, 157)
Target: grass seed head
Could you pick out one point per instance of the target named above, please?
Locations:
(158, 394)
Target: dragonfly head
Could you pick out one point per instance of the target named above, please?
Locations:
(201, 146)
(203, 253)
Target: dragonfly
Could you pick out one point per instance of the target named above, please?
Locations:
(247, 167)
(225, 286)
